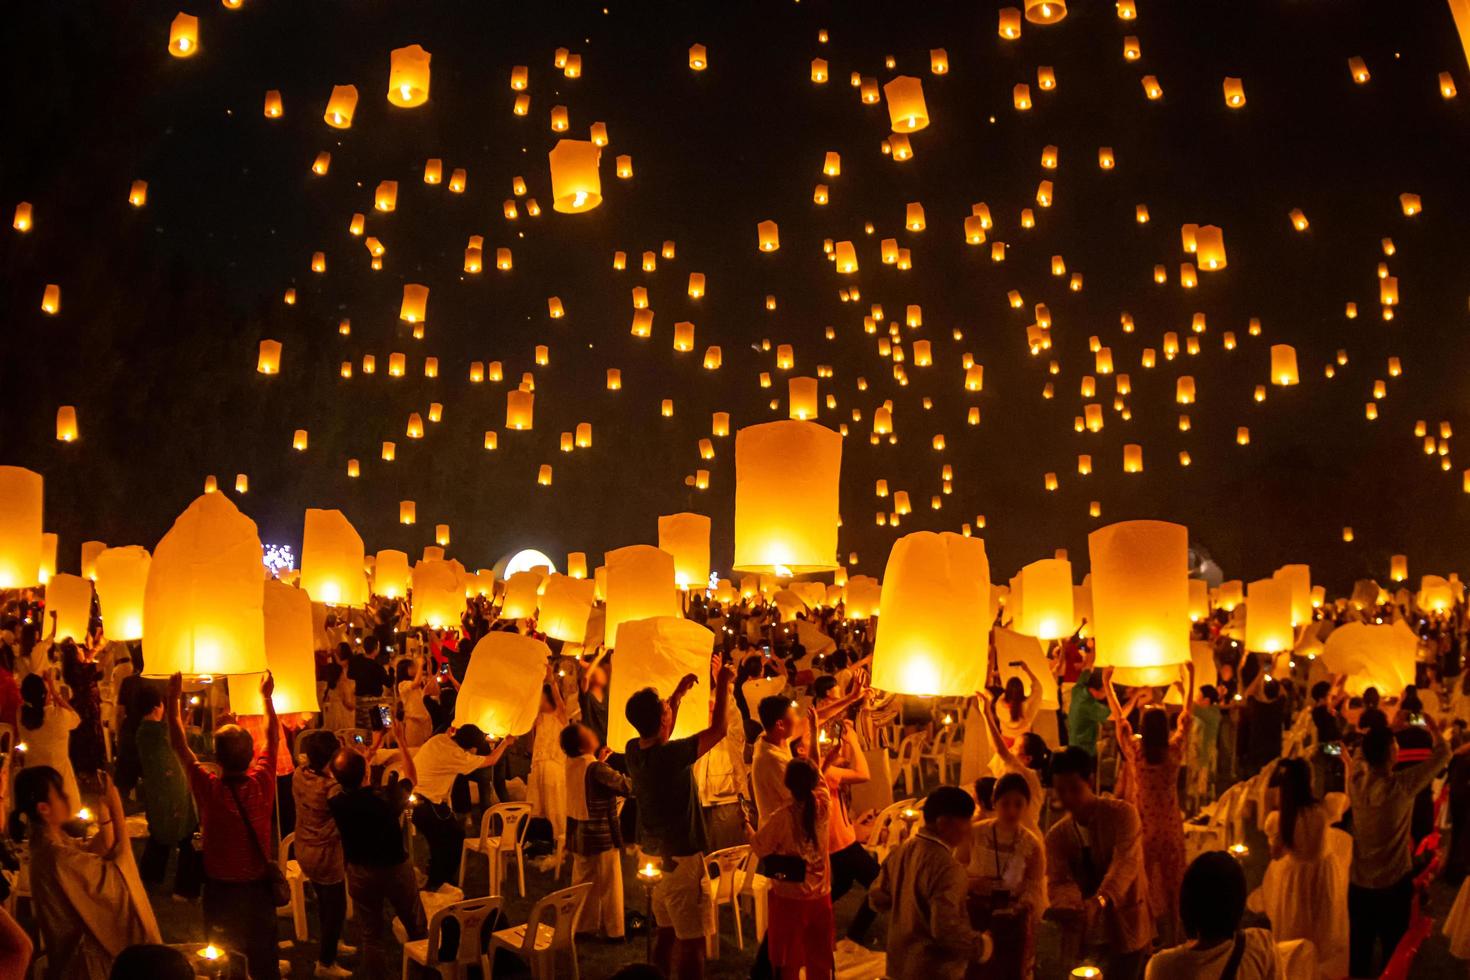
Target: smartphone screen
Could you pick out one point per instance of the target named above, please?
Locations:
(385, 717)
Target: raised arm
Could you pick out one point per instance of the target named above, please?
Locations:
(715, 731)
(584, 681)
(992, 723)
(858, 771)
(272, 724)
(404, 756)
(1186, 716)
(173, 711)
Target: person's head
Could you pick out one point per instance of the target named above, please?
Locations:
(1326, 724)
(1071, 778)
(406, 670)
(1226, 672)
(1411, 704)
(1320, 690)
(1370, 697)
(548, 702)
(471, 739)
(1212, 897)
(1372, 718)
(823, 688)
(153, 962)
(1271, 689)
(33, 701)
(1293, 783)
(1012, 798)
(40, 797)
(149, 702)
(578, 740)
(1032, 751)
(1209, 694)
(1095, 682)
(649, 714)
(370, 646)
(344, 652)
(801, 780)
(947, 813)
(1015, 691)
(349, 768)
(1379, 748)
(318, 746)
(985, 793)
(1155, 731)
(234, 749)
(597, 678)
(778, 717)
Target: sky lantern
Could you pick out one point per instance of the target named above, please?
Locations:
(1283, 365)
(845, 256)
(1045, 609)
(415, 305)
(519, 409)
(819, 70)
(202, 605)
(936, 613)
(686, 537)
(90, 551)
(341, 105)
(566, 605)
(1234, 93)
(698, 60)
(274, 108)
(576, 185)
(1398, 567)
(1140, 599)
(122, 577)
(640, 585)
(138, 193)
(51, 299)
(861, 597)
(1133, 458)
(1268, 616)
(501, 693)
(332, 560)
(1359, 70)
(1046, 11)
(408, 76)
(1299, 578)
(438, 595)
(938, 61)
(1446, 85)
(1008, 24)
(66, 424)
(1199, 600)
(183, 36)
(49, 543)
(786, 498)
(1209, 247)
(290, 641)
(658, 652)
(522, 595)
(1410, 204)
(768, 237)
(408, 512)
(801, 393)
(23, 218)
(69, 599)
(907, 112)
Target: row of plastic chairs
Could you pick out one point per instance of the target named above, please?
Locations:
(463, 934)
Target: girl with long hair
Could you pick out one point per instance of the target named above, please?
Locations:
(801, 932)
(1303, 896)
(46, 724)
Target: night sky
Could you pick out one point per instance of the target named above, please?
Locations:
(163, 307)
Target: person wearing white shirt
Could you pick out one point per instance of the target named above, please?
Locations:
(438, 761)
(1211, 903)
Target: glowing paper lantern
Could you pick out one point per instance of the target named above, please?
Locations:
(522, 595)
(202, 603)
(1398, 566)
(408, 76)
(1045, 11)
(1299, 579)
(390, 574)
(802, 397)
(1209, 247)
(48, 557)
(907, 112)
(269, 359)
(183, 36)
(566, 605)
(686, 537)
(786, 499)
(290, 639)
(861, 597)
(1283, 365)
(1234, 93)
(576, 185)
(69, 598)
(1140, 599)
(1199, 600)
(1012, 647)
(332, 560)
(1045, 610)
(768, 237)
(936, 601)
(1372, 656)
(122, 577)
(438, 594)
(640, 585)
(658, 653)
(501, 693)
(66, 423)
(1268, 616)
(519, 409)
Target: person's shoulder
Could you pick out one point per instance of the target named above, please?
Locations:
(1166, 964)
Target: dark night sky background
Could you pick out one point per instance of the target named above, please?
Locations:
(163, 308)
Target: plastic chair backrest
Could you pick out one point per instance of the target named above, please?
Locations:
(283, 853)
(452, 923)
(514, 819)
(561, 908)
(884, 824)
(729, 861)
(910, 747)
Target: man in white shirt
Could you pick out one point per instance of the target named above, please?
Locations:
(772, 754)
(439, 761)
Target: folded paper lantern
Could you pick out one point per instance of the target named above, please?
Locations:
(332, 560)
(786, 498)
(686, 537)
(69, 599)
(522, 595)
(788, 605)
(640, 585)
(931, 637)
(202, 604)
(501, 693)
(1045, 611)
(566, 606)
(576, 185)
(659, 652)
(290, 639)
(408, 76)
(1435, 594)
(1380, 656)
(122, 578)
(1016, 647)
(390, 574)
(438, 595)
(1140, 599)
(1268, 616)
(907, 112)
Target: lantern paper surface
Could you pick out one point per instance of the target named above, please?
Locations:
(21, 493)
(1268, 616)
(390, 574)
(1372, 656)
(438, 595)
(786, 498)
(501, 693)
(576, 185)
(1046, 608)
(640, 585)
(289, 645)
(1140, 599)
(122, 577)
(566, 605)
(1010, 647)
(861, 597)
(332, 559)
(658, 652)
(1299, 578)
(686, 537)
(69, 598)
(931, 637)
(202, 604)
(522, 595)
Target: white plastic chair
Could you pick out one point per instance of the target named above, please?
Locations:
(908, 762)
(513, 819)
(890, 829)
(724, 889)
(937, 751)
(296, 878)
(467, 944)
(757, 888)
(540, 943)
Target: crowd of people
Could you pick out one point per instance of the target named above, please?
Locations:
(1112, 830)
